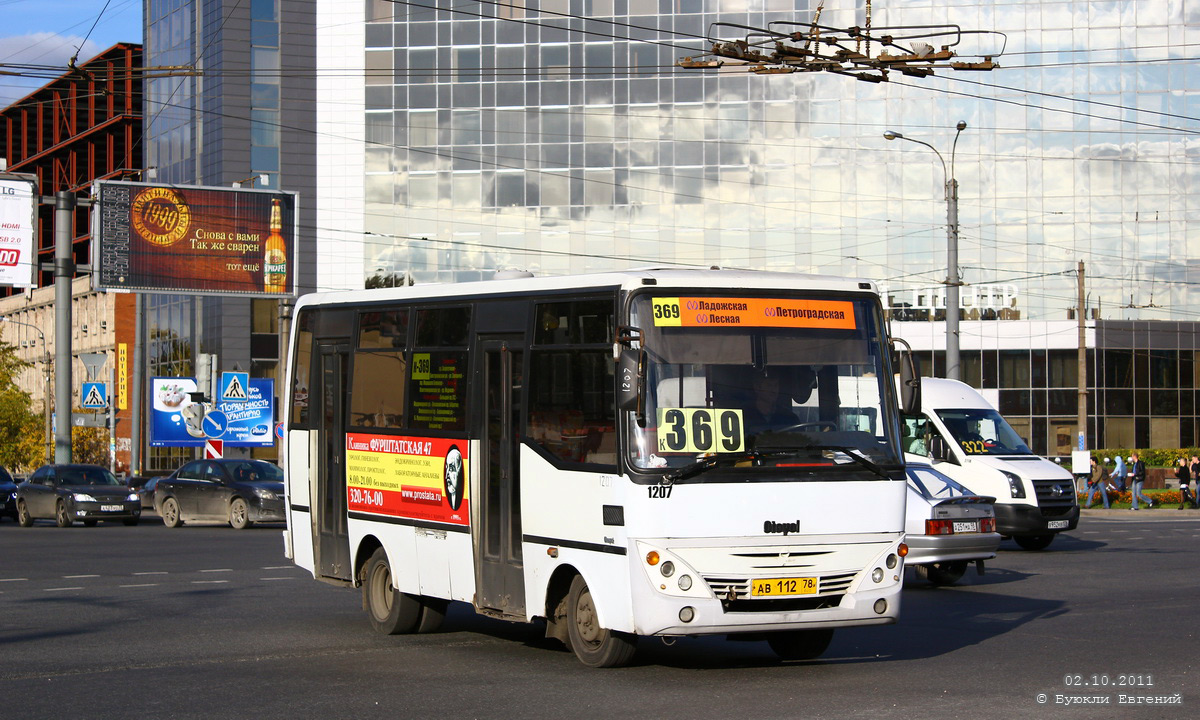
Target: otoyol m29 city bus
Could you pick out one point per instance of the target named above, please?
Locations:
(644, 453)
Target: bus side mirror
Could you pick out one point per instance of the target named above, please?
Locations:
(910, 383)
(629, 379)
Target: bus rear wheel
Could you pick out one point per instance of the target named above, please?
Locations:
(800, 644)
(595, 646)
(391, 612)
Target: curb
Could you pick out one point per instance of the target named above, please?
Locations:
(1162, 512)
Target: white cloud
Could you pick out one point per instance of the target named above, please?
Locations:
(42, 49)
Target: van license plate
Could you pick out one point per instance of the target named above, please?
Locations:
(783, 587)
(966, 527)
(1057, 524)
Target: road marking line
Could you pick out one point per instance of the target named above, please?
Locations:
(27, 579)
(74, 577)
(58, 589)
(219, 570)
(140, 585)
(277, 578)
(280, 567)
(208, 582)
(157, 572)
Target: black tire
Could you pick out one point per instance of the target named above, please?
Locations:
(24, 519)
(1034, 542)
(433, 612)
(390, 611)
(90, 523)
(801, 644)
(946, 573)
(595, 646)
(61, 517)
(170, 513)
(239, 514)
(130, 521)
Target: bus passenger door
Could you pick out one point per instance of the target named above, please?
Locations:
(331, 539)
(501, 581)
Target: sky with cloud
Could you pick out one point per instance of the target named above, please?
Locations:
(50, 32)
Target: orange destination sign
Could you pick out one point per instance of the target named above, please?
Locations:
(753, 312)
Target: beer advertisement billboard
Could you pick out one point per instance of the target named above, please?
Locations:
(18, 228)
(173, 238)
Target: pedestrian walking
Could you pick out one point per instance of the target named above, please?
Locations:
(1117, 477)
(1138, 471)
(1184, 473)
(1095, 485)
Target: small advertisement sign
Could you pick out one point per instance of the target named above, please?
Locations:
(421, 478)
(177, 421)
(18, 229)
(171, 238)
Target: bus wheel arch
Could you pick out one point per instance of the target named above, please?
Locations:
(556, 603)
(594, 644)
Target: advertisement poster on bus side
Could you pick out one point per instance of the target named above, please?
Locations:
(419, 478)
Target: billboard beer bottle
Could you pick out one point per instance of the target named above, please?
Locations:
(275, 262)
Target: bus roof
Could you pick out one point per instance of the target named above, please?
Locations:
(628, 279)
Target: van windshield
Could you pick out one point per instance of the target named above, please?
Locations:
(983, 431)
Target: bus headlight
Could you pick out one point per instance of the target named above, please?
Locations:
(667, 569)
(685, 582)
(877, 575)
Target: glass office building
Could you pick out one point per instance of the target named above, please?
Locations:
(559, 136)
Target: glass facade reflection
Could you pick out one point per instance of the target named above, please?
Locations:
(558, 136)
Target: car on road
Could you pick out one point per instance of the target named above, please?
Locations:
(946, 525)
(238, 491)
(144, 487)
(67, 493)
(8, 494)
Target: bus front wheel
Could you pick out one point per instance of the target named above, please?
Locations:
(595, 646)
(391, 612)
(800, 644)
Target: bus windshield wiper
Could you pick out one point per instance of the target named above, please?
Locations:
(707, 462)
(857, 456)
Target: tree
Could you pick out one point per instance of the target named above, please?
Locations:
(386, 280)
(21, 430)
(89, 445)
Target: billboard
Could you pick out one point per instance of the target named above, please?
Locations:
(172, 238)
(177, 421)
(18, 229)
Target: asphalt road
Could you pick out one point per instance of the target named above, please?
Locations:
(205, 622)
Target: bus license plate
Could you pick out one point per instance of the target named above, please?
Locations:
(1057, 524)
(111, 508)
(783, 587)
(965, 527)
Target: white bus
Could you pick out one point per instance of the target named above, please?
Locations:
(644, 453)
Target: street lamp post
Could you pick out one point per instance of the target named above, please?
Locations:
(952, 277)
(46, 392)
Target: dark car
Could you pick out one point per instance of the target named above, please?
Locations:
(144, 487)
(66, 493)
(8, 494)
(240, 492)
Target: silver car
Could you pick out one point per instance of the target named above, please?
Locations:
(946, 526)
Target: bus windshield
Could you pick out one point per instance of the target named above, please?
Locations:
(763, 381)
(983, 432)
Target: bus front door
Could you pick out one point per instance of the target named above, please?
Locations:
(331, 539)
(501, 581)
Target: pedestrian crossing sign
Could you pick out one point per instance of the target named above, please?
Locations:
(95, 395)
(235, 387)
